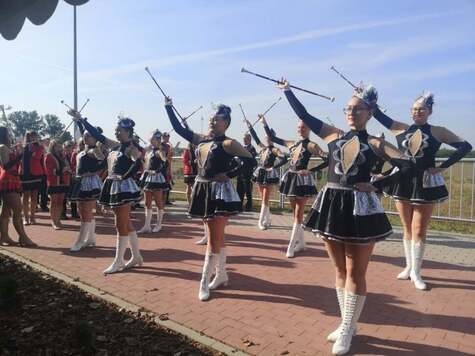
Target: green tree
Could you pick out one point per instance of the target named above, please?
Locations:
(54, 127)
(22, 121)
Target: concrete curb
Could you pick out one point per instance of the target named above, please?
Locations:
(169, 324)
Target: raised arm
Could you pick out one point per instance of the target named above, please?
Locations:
(326, 132)
(183, 131)
(254, 135)
(273, 137)
(395, 127)
(461, 146)
(91, 129)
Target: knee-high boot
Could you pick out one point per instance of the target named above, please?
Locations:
(408, 254)
(118, 264)
(211, 260)
(353, 307)
(221, 277)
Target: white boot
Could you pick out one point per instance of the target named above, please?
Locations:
(340, 294)
(158, 226)
(268, 218)
(294, 236)
(407, 252)
(91, 236)
(300, 245)
(211, 259)
(82, 237)
(118, 264)
(221, 277)
(148, 219)
(136, 259)
(204, 239)
(353, 306)
(262, 215)
(417, 257)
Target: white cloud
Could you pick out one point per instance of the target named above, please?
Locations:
(303, 36)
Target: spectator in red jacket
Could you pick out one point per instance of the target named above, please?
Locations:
(58, 174)
(31, 172)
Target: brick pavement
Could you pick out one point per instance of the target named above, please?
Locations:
(278, 305)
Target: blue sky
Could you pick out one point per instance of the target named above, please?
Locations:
(197, 48)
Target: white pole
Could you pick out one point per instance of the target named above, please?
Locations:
(76, 130)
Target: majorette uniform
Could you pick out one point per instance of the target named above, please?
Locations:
(87, 183)
(155, 170)
(421, 145)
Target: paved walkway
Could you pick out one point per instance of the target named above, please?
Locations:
(275, 305)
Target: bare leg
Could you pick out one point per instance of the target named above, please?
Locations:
(405, 213)
(13, 200)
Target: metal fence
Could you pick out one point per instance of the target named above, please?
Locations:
(459, 179)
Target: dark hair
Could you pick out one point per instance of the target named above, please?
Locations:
(29, 134)
(4, 136)
(127, 124)
(224, 112)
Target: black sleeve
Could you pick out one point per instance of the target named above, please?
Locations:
(383, 119)
(184, 132)
(462, 148)
(235, 167)
(311, 121)
(406, 168)
(133, 169)
(80, 127)
(254, 135)
(12, 162)
(273, 137)
(281, 162)
(93, 131)
(322, 165)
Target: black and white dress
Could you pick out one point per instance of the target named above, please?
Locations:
(340, 212)
(155, 169)
(87, 184)
(269, 161)
(120, 187)
(211, 198)
(418, 144)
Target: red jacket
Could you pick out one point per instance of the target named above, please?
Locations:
(37, 152)
(54, 177)
(187, 162)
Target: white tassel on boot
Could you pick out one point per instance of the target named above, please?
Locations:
(158, 226)
(417, 257)
(300, 244)
(91, 236)
(293, 241)
(407, 252)
(136, 259)
(204, 239)
(118, 264)
(353, 307)
(148, 220)
(221, 277)
(82, 237)
(262, 216)
(211, 259)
